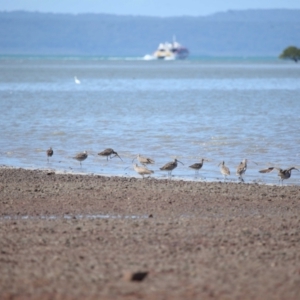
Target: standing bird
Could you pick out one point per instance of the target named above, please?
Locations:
(108, 153)
(224, 170)
(283, 174)
(142, 170)
(144, 160)
(197, 166)
(77, 81)
(81, 156)
(241, 169)
(49, 153)
(170, 166)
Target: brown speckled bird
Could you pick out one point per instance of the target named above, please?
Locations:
(49, 153)
(283, 174)
(224, 170)
(241, 169)
(197, 166)
(108, 153)
(170, 166)
(81, 156)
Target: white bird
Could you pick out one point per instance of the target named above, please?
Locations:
(77, 81)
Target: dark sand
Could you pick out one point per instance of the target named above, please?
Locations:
(194, 240)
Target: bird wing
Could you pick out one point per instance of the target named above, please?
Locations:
(142, 170)
(150, 161)
(268, 170)
(107, 151)
(241, 168)
(147, 171)
(226, 170)
(80, 156)
(196, 165)
(167, 166)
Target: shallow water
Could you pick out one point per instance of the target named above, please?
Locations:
(219, 110)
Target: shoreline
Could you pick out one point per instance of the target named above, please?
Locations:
(164, 177)
(197, 240)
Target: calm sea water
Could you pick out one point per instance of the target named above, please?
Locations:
(218, 110)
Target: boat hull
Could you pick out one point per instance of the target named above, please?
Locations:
(169, 51)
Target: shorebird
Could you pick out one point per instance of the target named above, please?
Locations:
(49, 153)
(241, 169)
(142, 170)
(108, 153)
(170, 166)
(224, 170)
(197, 166)
(283, 174)
(77, 81)
(144, 160)
(81, 156)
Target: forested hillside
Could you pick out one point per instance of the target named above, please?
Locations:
(232, 33)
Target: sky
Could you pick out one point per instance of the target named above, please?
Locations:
(159, 8)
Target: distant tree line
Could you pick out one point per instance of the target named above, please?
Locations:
(232, 33)
(291, 52)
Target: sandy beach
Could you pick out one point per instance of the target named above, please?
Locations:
(66, 236)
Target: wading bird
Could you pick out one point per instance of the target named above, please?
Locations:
(49, 153)
(170, 166)
(197, 166)
(77, 81)
(144, 160)
(224, 170)
(283, 174)
(81, 156)
(108, 153)
(142, 170)
(241, 169)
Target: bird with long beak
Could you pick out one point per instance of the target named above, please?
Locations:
(108, 153)
(170, 166)
(224, 170)
(198, 166)
(142, 170)
(241, 169)
(283, 174)
(81, 156)
(144, 160)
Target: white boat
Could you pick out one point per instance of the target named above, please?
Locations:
(169, 51)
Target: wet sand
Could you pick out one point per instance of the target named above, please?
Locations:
(190, 240)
